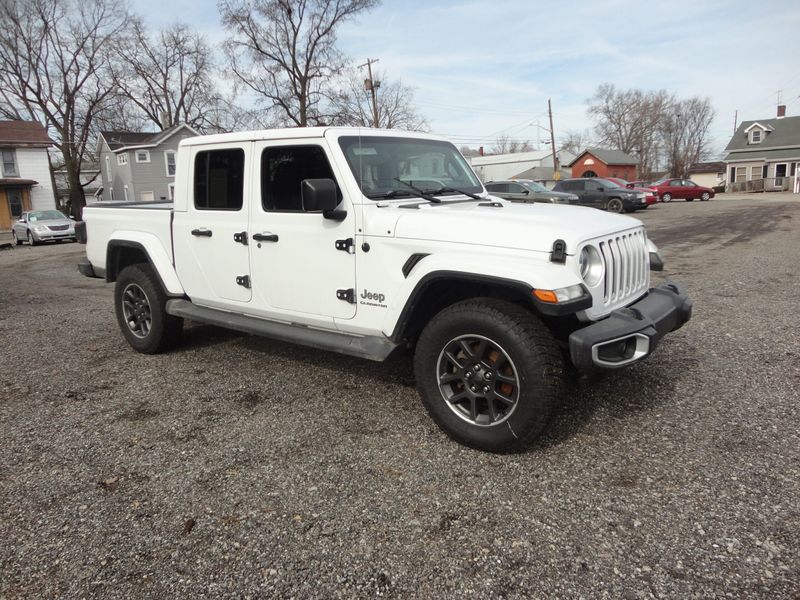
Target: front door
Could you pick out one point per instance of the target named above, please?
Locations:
(213, 259)
(297, 268)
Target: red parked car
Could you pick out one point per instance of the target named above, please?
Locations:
(649, 194)
(669, 188)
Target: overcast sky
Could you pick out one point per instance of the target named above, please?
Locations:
(484, 68)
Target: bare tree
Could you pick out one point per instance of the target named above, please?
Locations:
(629, 120)
(168, 76)
(55, 69)
(684, 130)
(352, 104)
(503, 144)
(575, 141)
(285, 51)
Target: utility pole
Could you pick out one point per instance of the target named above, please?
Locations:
(556, 170)
(372, 86)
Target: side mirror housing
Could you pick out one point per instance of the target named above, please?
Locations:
(320, 195)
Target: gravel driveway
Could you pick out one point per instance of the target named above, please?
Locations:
(241, 467)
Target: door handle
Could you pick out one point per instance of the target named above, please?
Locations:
(201, 232)
(265, 237)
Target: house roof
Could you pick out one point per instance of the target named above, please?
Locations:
(708, 167)
(609, 157)
(24, 133)
(8, 182)
(763, 154)
(127, 140)
(782, 141)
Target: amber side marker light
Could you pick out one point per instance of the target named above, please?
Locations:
(546, 296)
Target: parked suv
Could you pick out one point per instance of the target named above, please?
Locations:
(527, 190)
(667, 189)
(601, 193)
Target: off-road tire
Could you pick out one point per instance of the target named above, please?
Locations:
(666, 197)
(536, 358)
(164, 331)
(615, 205)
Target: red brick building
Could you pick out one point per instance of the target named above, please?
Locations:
(599, 162)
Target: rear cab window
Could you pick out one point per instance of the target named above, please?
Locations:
(219, 179)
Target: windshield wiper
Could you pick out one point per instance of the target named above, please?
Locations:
(451, 190)
(421, 193)
(390, 194)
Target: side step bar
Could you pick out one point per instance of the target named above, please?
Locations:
(372, 348)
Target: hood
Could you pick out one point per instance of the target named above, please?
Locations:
(49, 222)
(532, 226)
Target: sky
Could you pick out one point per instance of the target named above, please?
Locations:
(481, 69)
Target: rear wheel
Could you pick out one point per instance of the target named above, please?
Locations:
(666, 197)
(705, 196)
(489, 374)
(17, 241)
(615, 205)
(140, 304)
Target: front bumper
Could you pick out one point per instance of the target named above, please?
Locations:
(630, 334)
(46, 236)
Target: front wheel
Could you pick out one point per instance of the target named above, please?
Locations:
(666, 197)
(615, 205)
(705, 196)
(489, 374)
(140, 304)
(31, 239)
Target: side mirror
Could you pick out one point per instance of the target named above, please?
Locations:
(319, 195)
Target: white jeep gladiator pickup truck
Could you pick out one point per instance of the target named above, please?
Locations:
(368, 242)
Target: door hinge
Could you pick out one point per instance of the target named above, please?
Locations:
(240, 238)
(346, 245)
(244, 281)
(348, 295)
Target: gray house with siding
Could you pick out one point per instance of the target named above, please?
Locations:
(764, 155)
(139, 165)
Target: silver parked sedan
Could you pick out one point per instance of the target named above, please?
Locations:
(43, 226)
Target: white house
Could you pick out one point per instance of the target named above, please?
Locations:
(26, 183)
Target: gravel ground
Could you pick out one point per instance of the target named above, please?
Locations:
(240, 467)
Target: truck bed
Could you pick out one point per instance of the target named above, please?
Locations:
(150, 221)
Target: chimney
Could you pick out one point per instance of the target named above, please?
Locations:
(781, 111)
(480, 151)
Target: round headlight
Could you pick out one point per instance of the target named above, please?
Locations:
(591, 265)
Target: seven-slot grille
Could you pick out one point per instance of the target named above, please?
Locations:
(58, 227)
(627, 266)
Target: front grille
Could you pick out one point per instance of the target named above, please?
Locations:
(627, 264)
(58, 227)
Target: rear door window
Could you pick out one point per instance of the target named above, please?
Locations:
(219, 179)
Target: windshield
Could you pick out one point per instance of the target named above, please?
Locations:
(429, 165)
(535, 186)
(45, 215)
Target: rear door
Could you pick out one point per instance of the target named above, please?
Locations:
(595, 194)
(211, 255)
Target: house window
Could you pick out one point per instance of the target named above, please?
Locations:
(169, 160)
(755, 136)
(219, 179)
(147, 196)
(143, 156)
(171, 188)
(755, 172)
(780, 170)
(741, 173)
(122, 158)
(14, 203)
(794, 169)
(10, 163)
